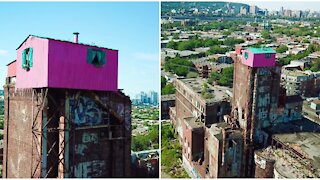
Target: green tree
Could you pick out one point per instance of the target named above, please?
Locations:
(283, 48)
(192, 74)
(205, 91)
(214, 76)
(226, 33)
(217, 50)
(164, 37)
(254, 24)
(168, 89)
(145, 142)
(171, 44)
(226, 77)
(232, 41)
(265, 34)
(306, 41)
(179, 66)
(175, 36)
(163, 82)
(315, 67)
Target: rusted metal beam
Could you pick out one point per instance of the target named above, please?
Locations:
(61, 147)
(67, 136)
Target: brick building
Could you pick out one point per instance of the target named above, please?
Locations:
(167, 101)
(60, 121)
(193, 112)
(260, 110)
(191, 103)
(297, 82)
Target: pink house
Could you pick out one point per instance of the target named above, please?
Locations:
(12, 70)
(258, 57)
(45, 62)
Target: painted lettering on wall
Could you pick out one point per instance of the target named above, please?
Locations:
(90, 137)
(89, 169)
(80, 149)
(85, 112)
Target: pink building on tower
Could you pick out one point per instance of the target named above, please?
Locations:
(46, 62)
(258, 57)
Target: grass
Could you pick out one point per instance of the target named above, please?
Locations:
(171, 153)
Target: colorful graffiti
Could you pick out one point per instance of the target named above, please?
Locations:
(86, 140)
(80, 149)
(89, 169)
(127, 113)
(85, 112)
(90, 137)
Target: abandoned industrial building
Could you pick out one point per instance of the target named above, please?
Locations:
(257, 130)
(64, 114)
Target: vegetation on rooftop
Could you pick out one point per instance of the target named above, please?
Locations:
(166, 88)
(171, 153)
(205, 92)
(225, 78)
(192, 74)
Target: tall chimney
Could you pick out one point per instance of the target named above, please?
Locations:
(76, 34)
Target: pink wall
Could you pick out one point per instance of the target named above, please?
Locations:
(68, 68)
(12, 71)
(37, 76)
(258, 60)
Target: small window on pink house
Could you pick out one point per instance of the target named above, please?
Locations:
(96, 57)
(246, 55)
(267, 55)
(27, 61)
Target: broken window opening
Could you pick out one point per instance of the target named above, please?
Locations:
(246, 55)
(230, 143)
(267, 55)
(27, 61)
(289, 112)
(96, 57)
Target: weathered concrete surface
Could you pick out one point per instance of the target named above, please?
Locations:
(21, 152)
(94, 140)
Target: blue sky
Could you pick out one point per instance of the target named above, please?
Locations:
(130, 27)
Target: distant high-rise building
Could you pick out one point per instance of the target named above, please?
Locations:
(281, 11)
(298, 13)
(287, 13)
(243, 10)
(153, 97)
(147, 98)
(253, 9)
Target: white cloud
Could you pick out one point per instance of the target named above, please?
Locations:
(3, 52)
(146, 56)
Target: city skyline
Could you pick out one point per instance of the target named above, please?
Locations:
(133, 30)
(293, 5)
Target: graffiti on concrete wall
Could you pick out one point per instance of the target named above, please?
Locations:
(80, 149)
(90, 137)
(87, 139)
(127, 119)
(89, 169)
(85, 112)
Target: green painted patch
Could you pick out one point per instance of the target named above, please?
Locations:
(262, 50)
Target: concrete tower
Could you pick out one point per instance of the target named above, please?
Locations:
(255, 97)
